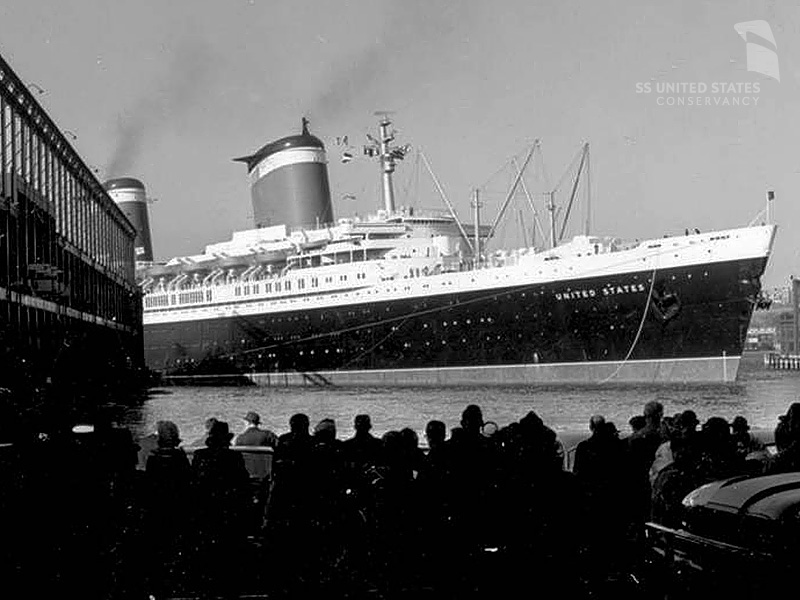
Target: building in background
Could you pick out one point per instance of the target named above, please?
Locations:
(761, 338)
(70, 311)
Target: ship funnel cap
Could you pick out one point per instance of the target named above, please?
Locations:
(122, 183)
(303, 140)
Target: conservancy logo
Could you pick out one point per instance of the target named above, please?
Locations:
(762, 55)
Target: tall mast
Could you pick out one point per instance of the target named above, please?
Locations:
(476, 204)
(388, 155)
(584, 156)
(387, 164)
(588, 224)
(551, 206)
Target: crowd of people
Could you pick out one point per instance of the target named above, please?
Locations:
(484, 509)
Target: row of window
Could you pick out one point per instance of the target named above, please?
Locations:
(62, 239)
(155, 301)
(191, 297)
(72, 204)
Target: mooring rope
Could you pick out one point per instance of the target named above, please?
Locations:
(641, 327)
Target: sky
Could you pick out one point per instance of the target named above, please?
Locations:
(170, 92)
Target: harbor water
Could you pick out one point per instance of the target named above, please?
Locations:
(760, 394)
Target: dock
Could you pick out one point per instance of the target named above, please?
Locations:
(773, 360)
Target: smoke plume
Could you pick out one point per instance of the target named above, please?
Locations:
(162, 106)
(415, 34)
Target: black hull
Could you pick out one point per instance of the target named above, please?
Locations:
(688, 325)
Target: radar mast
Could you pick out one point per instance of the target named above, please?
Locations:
(388, 156)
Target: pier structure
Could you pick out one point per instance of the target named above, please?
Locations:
(773, 360)
(70, 311)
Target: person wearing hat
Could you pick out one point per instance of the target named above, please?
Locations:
(253, 435)
(201, 441)
(684, 426)
(168, 493)
(746, 443)
(221, 501)
(167, 465)
(642, 447)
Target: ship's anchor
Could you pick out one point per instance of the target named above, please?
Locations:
(665, 305)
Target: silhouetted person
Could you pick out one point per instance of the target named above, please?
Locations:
(434, 506)
(684, 425)
(221, 487)
(253, 435)
(289, 517)
(748, 447)
(643, 442)
(169, 502)
(600, 460)
(674, 482)
(601, 472)
(663, 455)
(788, 429)
(542, 502)
(168, 466)
(435, 434)
(100, 497)
(642, 446)
(787, 440)
(637, 423)
(289, 498)
(718, 458)
(121, 514)
(433, 475)
(473, 468)
(298, 438)
(201, 441)
(363, 448)
(327, 480)
(85, 506)
(389, 504)
(589, 459)
(414, 456)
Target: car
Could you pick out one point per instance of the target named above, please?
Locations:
(739, 538)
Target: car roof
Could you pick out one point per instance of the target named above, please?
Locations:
(768, 496)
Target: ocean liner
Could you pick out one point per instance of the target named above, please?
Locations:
(411, 298)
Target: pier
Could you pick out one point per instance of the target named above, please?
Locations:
(773, 360)
(70, 311)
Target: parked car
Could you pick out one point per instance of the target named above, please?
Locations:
(740, 538)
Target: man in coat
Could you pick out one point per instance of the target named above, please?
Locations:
(255, 436)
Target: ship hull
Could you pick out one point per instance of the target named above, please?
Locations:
(685, 324)
(721, 369)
